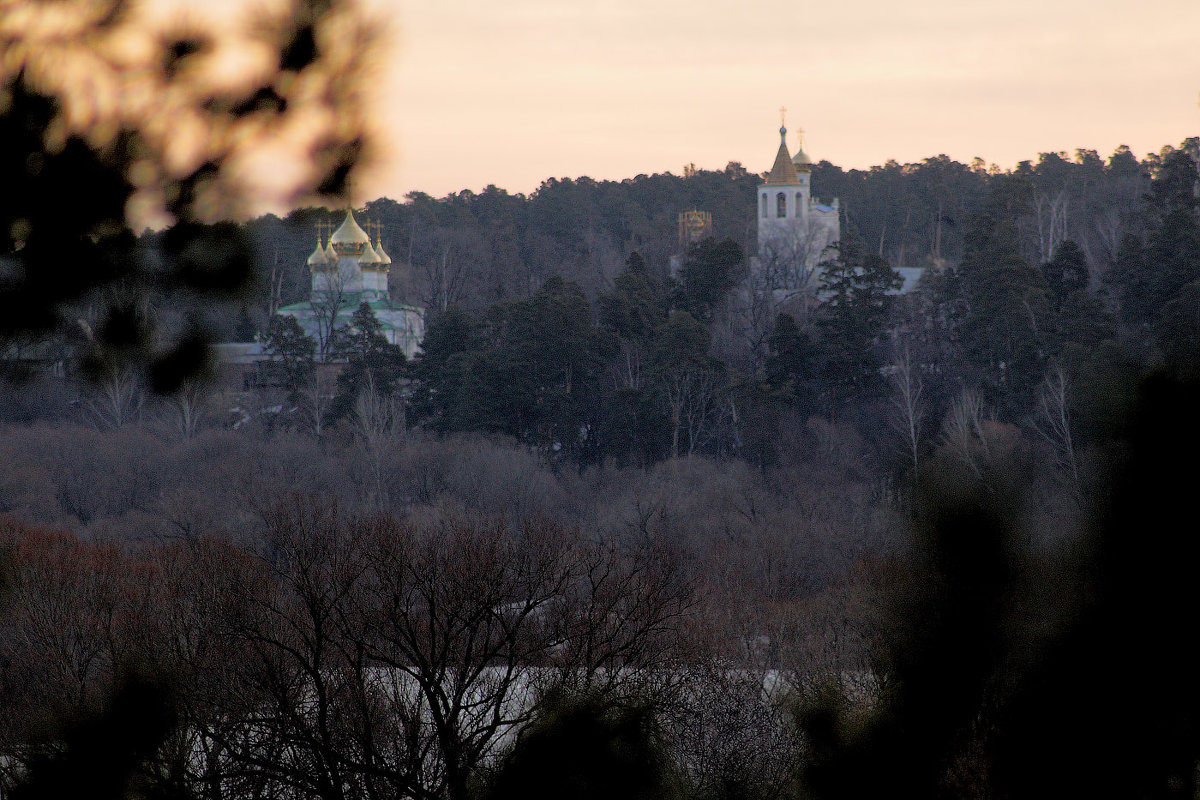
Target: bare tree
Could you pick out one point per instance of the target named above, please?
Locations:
(753, 308)
(379, 424)
(448, 269)
(787, 266)
(691, 394)
(460, 615)
(629, 369)
(1053, 422)
(327, 304)
(188, 408)
(603, 259)
(908, 401)
(734, 736)
(702, 409)
(963, 432)
(71, 623)
(378, 418)
(201, 587)
(623, 621)
(294, 689)
(381, 659)
(315, 397)
(117, 398)
(1050, 211)
(784, 276)
(274, 284)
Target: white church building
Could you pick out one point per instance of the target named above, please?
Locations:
(794, 230)
(347, 271)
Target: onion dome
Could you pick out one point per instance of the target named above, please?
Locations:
(318, 258)
(801, 161)
(330, 253)
(383, 256)
(349, 239)
(783, 171)
(369, 258)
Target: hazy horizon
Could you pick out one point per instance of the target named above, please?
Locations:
(473, 94)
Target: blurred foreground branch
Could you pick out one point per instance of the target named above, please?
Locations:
(111, 120)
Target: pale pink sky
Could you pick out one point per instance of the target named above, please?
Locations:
(513, 92)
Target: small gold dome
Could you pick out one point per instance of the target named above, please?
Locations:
(801, 161)
(319, 258)
(369, 256)
(383, 256)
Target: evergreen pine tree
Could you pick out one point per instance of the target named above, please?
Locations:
(856, 290)
(292, 352)
(372, 361)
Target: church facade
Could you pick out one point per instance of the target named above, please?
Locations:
(794, 230)
(347, 271)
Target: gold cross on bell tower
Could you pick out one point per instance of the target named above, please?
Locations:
(783, 116)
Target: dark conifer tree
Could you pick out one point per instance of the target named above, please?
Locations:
(709, 273)
(292, 352)
(1066, 273)
(856, 290)
(441, 371)
(791, 365)
(1006, 316)
(373, 363)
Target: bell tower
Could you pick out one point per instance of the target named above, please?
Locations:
(793, 229)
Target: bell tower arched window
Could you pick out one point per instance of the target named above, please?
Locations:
(764, 204)
(781, 205)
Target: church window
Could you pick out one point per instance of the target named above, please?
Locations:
(764, 204)
(781, 205)
(799, 202)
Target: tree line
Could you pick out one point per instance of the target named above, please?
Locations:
(473, 249)
(714, 358)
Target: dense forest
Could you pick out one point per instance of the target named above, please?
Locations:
(554, 319)
(474, 249)
(738, 543)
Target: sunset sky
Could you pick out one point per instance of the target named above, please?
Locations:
(474, 93)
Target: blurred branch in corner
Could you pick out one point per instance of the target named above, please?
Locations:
(116, 117)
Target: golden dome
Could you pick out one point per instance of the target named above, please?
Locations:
(349, 239)
(369, 257)
(319, 258)
(801, 160)
(784, 171)
(383, 256)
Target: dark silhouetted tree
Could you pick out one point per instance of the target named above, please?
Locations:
(373, 363)
(292, 352)
(709, 273)
(857, 290)
(588, 748)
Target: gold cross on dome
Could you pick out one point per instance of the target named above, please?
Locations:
(783, 116)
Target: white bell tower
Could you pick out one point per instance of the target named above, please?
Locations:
(793, 229)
